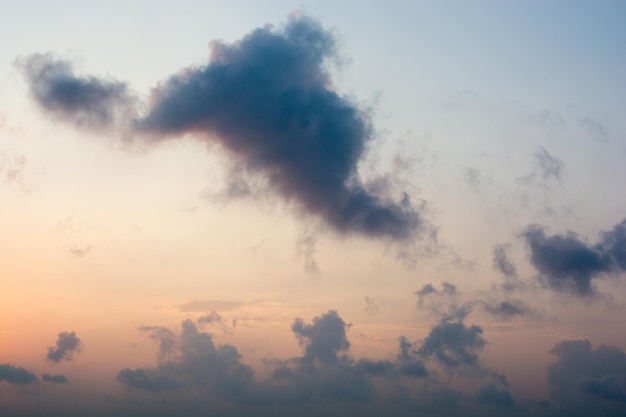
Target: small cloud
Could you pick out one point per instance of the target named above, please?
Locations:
(80, 251)
(372, 305)
(568, 264)
(56, 379)
(67, 344)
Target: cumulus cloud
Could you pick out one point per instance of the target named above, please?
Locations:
(191, 359)
(324, 339)
(55, 379)
(453, 343)
(66, 345)
(569, 264)
(16, 374)
(324, 373)
(268, 100)
(86, 101)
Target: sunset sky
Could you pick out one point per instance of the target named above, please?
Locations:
(316, 208)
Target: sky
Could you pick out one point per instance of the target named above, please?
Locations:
(312, 208)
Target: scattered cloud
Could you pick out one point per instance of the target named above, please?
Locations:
(56, 379)
(568, 264)
(66, 345)
(86, 101)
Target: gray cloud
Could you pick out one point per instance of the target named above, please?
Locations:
(67, 344)
(569, 264)
(87, 102)
(16, 374)
(190, 359)
(139, 379)
(266, 99)
(491, 395)
(323, 340)
(453, 344)
(507, 308)
(56, 379)
(588, 381)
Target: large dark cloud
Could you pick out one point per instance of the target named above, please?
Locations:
(569, 264)
(266, 99)
(588, 382)
(66, 345)
(16, 374)
(86, 101)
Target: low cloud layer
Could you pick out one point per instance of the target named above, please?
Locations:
(266, 99)
(66, 345)
(568, 264)
(587, 380)
(325, 375)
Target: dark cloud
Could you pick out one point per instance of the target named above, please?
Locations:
(56, 379)
(190, 359)
(139, 379)
(269, 102)
(491, 395)
(87, 102)
(408, 360)
(453, 344)
(323, 340)
(16, 375)
(608, 387)
(588, 381)
(569, 264)
(67, 344)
